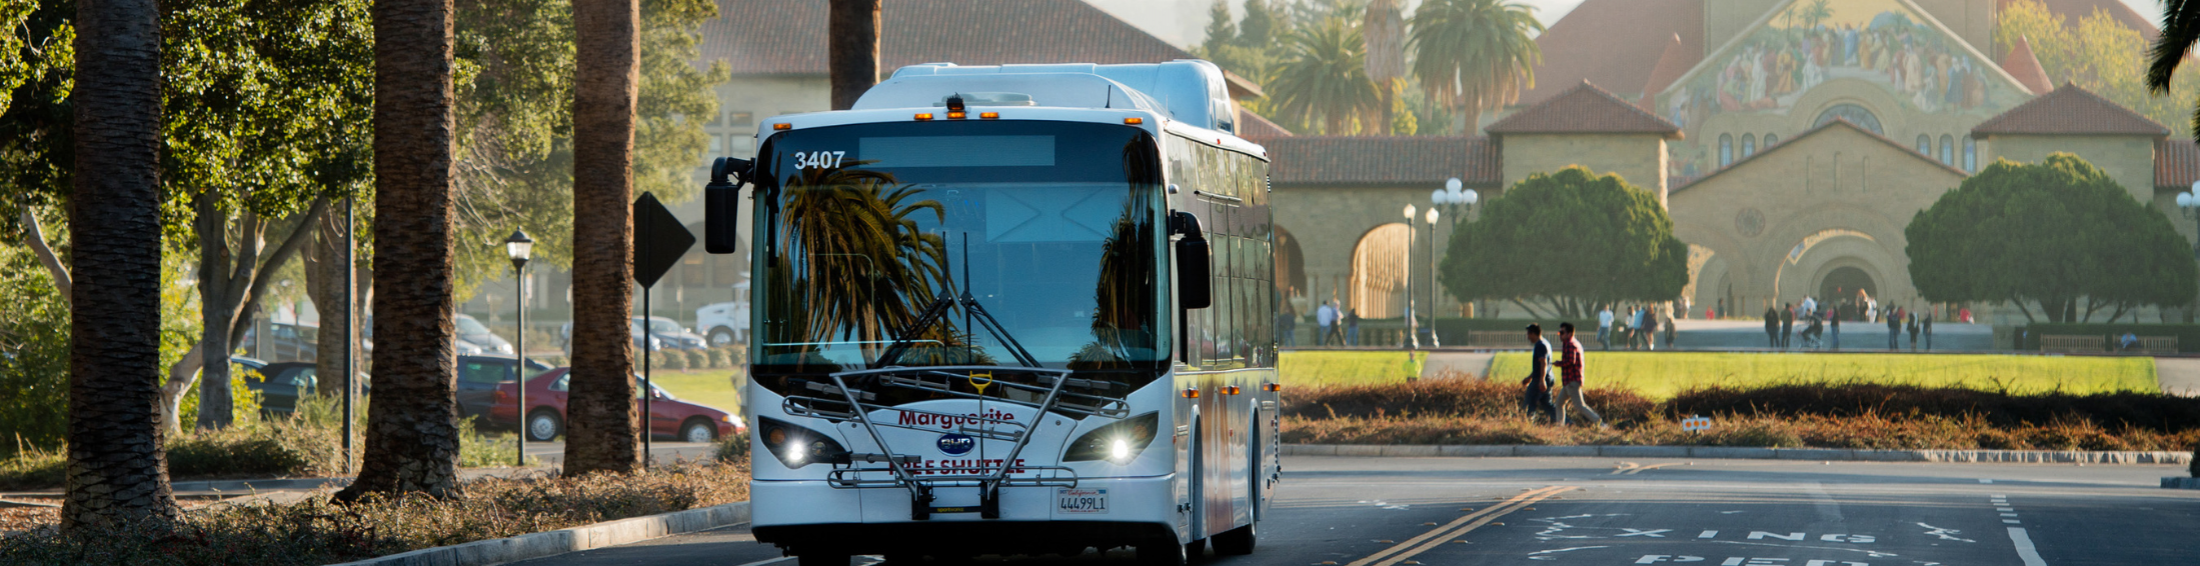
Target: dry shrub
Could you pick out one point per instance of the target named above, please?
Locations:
(2153, 411)
(319, 532)
(1448, 395)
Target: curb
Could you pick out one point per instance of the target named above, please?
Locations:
(538, 545)
(2175, 482)
(1743, 452)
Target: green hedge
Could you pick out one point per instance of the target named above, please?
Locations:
(2188, 335)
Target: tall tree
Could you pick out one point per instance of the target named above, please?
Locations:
(1571, 240)
(600, 417)
(116, 469)
(851, 31)
(412, 428)
(1323, 78)
(1474, 55)
(2180, 28)
(1384, 32)
(2095, 51)
(2060, 233)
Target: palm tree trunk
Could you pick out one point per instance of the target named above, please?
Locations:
(600, 427)
(412, 429)
(117, 470)
(851, 28)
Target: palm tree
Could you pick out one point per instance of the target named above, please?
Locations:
(1323, 77)
(1385, 32)
(117, 471)
(1474, 55)
(851, 28)
(600, 431)
(412, 429)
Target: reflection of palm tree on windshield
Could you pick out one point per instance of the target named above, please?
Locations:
(860, 263)
(1122, 297)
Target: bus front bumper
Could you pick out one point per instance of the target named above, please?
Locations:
(801, 514)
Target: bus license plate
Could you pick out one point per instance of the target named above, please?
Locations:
(1073, 500)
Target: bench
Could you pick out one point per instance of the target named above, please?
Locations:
(2148, 345)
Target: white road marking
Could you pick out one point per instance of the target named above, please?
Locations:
(1538, 555)
(771, 561)
(2008, 514)
(1867, 552)
(2012, 521)
(1944, 534)
(1652, 533)
(1708, 534)
(1984, 480)
(1828, 510)
(2004, 509)
(2025, 550)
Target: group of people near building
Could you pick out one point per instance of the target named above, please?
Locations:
(1822, 325)
(1338, 326)
(1640, 329)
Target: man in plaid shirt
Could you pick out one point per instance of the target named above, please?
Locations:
(1569, 371)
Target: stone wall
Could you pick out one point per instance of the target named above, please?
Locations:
(1638, 158)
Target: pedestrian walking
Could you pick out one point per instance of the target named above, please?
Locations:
(1912, 323)
(1669, 332)
(1787, 324)
(1535, 394)
(1325, 317)
(1650, 328)
(1928, 322)
(1287, 325)
(1352, 327)
(1894, 328)
(1639, 329)
(1604, 327)
(1772, 327)
(1834, 335)
(1569, 371)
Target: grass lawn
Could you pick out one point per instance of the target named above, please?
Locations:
(710, 387)
(1346, 368)
(1660, 376)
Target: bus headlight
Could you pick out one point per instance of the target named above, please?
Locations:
(796, 446)
(1118, 443)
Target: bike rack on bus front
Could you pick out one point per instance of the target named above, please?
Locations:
(987, 476)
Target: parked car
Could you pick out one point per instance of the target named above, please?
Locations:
(285, 342)
(664, 333)
(725, 323)
(474, 338)
(478, 378)
(280, 384)
(668, 417)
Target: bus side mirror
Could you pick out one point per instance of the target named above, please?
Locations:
(1194, 271)
(722, 205)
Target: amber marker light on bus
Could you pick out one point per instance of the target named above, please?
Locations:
(1134, 121)
(955, 115)
(1230, 390)
(922, 116)
(1272, 386)
(782, 126)
(1191, 393)
(988, 115)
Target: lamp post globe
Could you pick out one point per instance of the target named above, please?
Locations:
(519, 247)
(1410, 210)
(1471, 196)
(1453, 184)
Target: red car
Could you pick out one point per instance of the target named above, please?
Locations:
(668, 417)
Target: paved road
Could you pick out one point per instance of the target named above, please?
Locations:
(2178, 376)
(1599, 511)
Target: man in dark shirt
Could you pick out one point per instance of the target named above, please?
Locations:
(1787, 324)
(1536, 397)
(1569, 371)
(1772, 327)
(1894, 329)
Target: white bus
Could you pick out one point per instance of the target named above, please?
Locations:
(1024, 309)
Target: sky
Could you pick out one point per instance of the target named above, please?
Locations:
(1184, 22)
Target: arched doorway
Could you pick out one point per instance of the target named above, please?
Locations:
(1290, 264)
(1379, 266)
(1843, 283)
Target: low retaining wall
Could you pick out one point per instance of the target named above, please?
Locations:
(538, 545)
(2174, 482)
(1740, 452)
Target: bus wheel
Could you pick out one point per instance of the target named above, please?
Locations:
(1236, 542)
(1163, 552)
(816, 557)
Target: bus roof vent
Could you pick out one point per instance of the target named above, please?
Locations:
(1187, 90)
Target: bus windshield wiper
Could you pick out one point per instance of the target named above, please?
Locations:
(938, 310)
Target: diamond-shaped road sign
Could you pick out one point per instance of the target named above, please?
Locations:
(659, 240)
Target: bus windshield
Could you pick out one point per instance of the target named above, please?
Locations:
(1052, 229)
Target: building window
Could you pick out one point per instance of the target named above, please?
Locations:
(1749, 145)
(1771, 139)
(1726, 149)
(1970, 154)
(717, 145)
(1925, 145)
(1947, 150)
(740, 119)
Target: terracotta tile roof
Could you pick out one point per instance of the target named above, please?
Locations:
(787, 37)
(2070, 110)
(2176, 163)
(2072, 10)
(1256, 127)
(1584, 109)
(1673, 63)
(1384, 160)
(1615, 42)
(1844, 123)
(2025, 67)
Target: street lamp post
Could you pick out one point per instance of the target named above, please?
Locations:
(1413, 339)
(519, 246)
(1459, 199)
(1433, 342)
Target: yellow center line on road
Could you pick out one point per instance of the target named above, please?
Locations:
(1471, 521)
